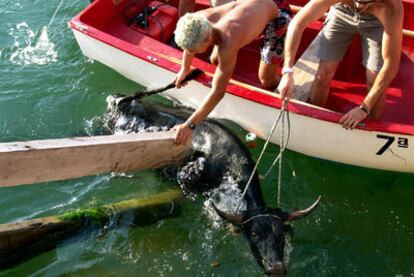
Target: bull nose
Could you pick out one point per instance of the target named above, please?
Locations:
(277, 269)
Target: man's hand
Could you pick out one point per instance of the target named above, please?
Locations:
(180, 77)
(183, 134)
(351, 119)
(286, 86)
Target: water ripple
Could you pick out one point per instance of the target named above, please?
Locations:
(31, 48)
(76, 196)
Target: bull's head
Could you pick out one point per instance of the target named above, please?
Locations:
(265, 230)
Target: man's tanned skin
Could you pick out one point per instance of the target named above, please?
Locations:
(235, 25)
(391, 14)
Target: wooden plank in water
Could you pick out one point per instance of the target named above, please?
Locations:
(305, 70)
(22, 240)
(29, 162)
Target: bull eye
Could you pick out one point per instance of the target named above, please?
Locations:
(254, 236)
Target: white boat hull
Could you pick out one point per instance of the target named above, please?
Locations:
(308, 135)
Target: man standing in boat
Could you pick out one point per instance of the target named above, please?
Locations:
(379, 22)
(228, 28)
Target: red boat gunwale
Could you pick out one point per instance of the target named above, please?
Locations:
(169, 57)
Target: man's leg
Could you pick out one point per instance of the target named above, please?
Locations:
(320, 87)
(338, 32)
(268, 75)
(271, 50)
(379, 107)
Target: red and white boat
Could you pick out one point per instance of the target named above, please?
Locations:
(114, 33)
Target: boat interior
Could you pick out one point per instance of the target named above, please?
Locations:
(150, 24)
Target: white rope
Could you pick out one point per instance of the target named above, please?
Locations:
(50, 22)
(280, 115)
(281, 150)
(260, 215)
(279, 157)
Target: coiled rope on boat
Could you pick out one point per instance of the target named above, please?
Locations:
(284, 116)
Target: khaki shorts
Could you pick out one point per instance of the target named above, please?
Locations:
(341, 26)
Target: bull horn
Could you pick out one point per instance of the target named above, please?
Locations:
(302, 213)
(232, 218)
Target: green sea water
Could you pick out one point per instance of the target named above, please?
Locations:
(364, 225)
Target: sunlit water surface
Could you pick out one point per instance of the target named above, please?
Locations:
(364, 225)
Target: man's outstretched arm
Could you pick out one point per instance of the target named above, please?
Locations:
(312, 11)
(221, 78)
(391, 53)
(185, 68)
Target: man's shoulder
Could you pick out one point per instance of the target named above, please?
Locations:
(393, 11)
(397, 7)
(391, 15)
(331, 2)
(228, 50)
(326, 4)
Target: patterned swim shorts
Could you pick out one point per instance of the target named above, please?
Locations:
(271, 48)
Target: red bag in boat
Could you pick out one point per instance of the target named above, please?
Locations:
(156, 20)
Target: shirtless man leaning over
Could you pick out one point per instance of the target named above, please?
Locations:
(230, 27)
(379, 22)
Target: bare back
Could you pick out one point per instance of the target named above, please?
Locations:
(240, 22)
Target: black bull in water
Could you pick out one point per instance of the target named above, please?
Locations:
(218, 162)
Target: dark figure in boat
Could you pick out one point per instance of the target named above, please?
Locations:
(228, 28)
(379, 23)
(219, 165)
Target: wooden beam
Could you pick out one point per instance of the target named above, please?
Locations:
(22, 240)
(29, 162)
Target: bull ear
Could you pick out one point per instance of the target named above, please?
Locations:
(302, 213)
(232, 218)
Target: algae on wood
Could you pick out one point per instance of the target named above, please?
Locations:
(25, 239)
